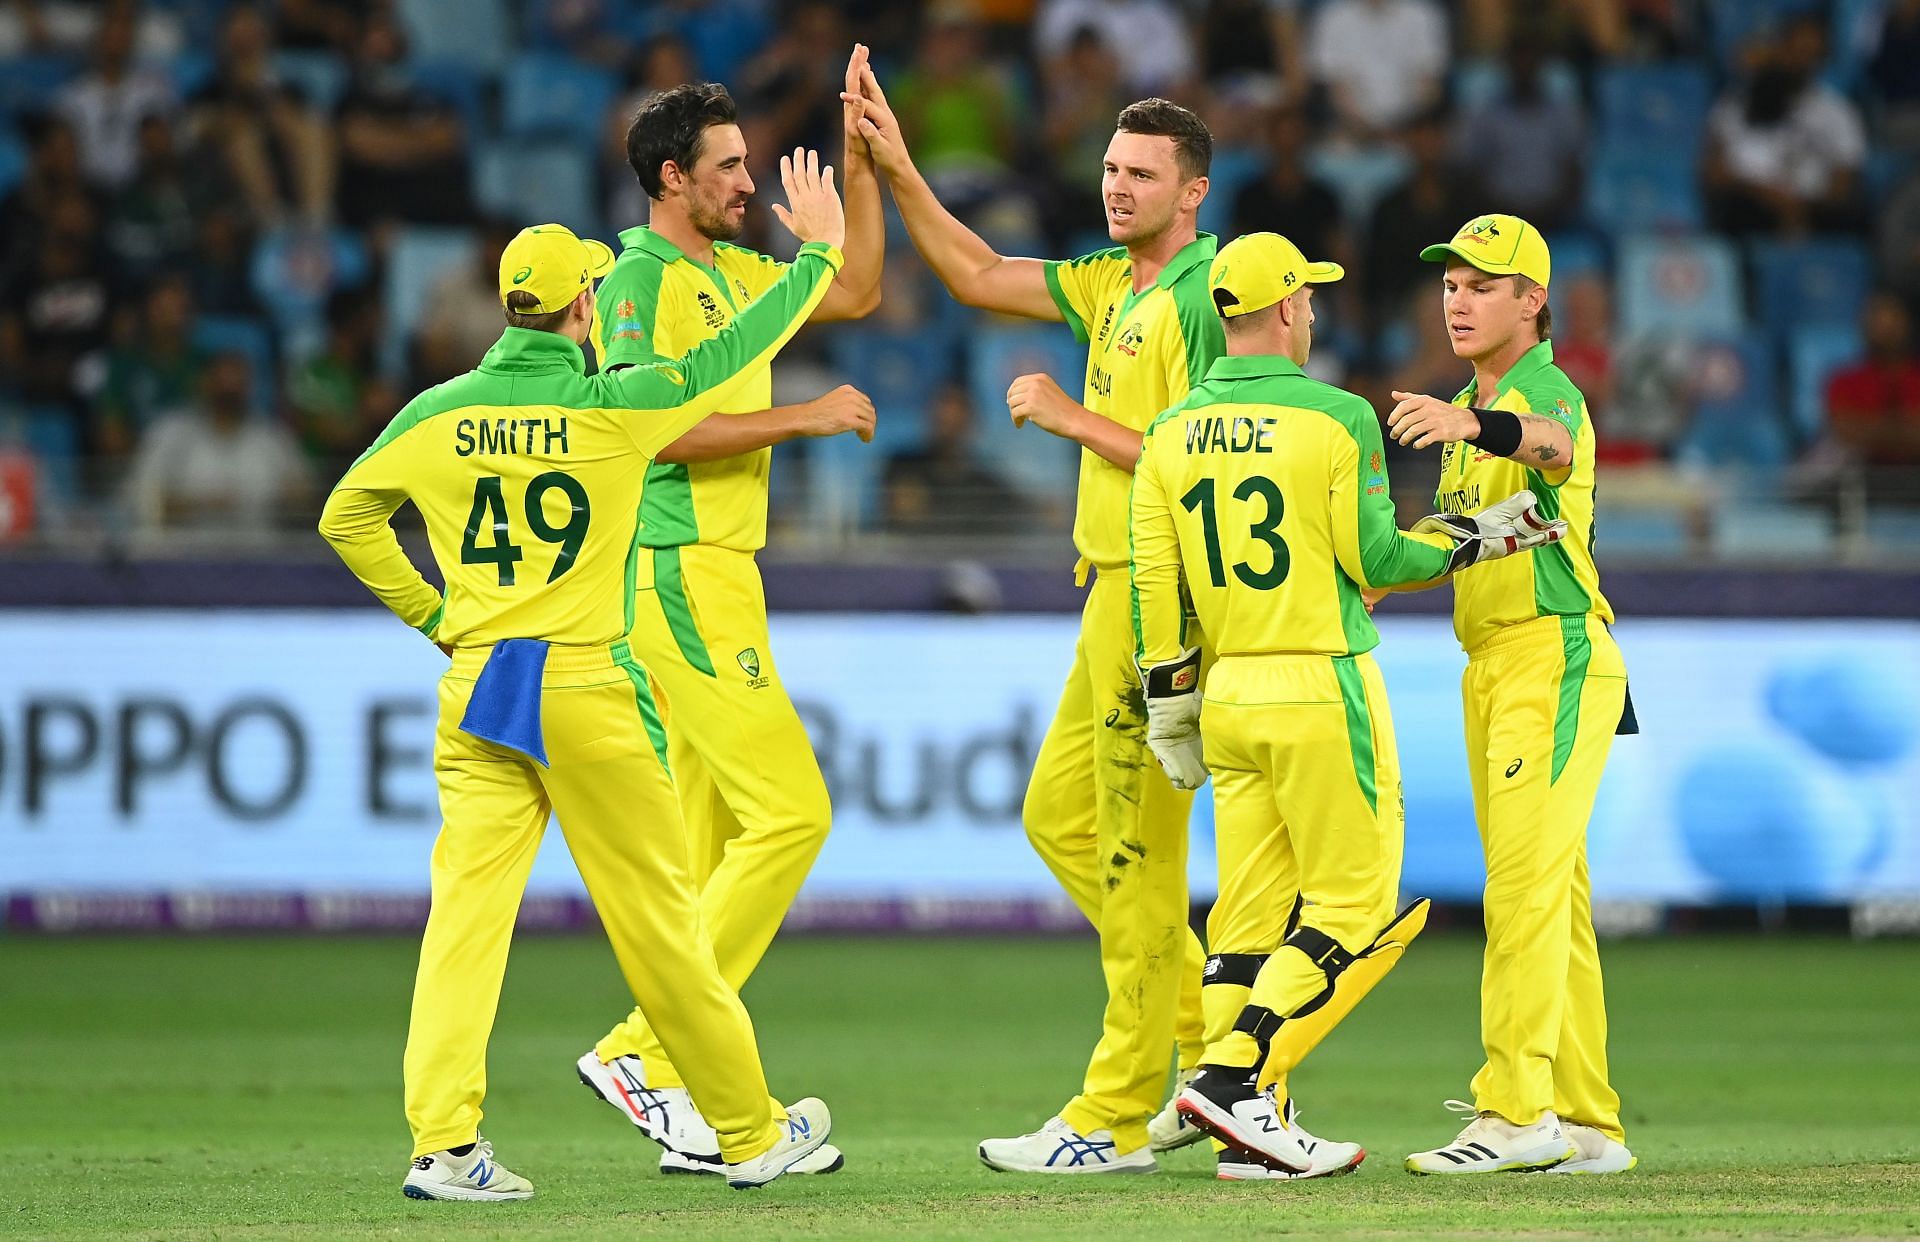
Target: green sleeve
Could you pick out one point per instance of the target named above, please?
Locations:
(1154, 548)
(1368, 541)
(1200, 327)
(632, 287)
(1064, 301)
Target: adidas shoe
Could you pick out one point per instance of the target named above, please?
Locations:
(1492, 1144)
(804, 1132)
(474, 1177)
(1329, 1159)
(664, 1114)
(1224, 1102)
(1597, 1154)
(1170, 1128)
(1059, 1148)
(825, 1159)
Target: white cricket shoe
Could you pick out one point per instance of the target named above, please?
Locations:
(1059, 1148)
(1224, 1102)
(803, 1132)
(1598, 1153)
(1492, 1144)
(826, 1159)
(664, 1114)
(474, 1177)
(1170, 1128)
(1329, 1159)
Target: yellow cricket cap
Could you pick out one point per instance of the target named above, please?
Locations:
(552, 264)
(1502, 245)
(1254, 271)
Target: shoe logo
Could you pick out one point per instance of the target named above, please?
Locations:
(798, 1129)
(642, 1101)
(423, 1163)
(1513, 768)
(1113, 717)
(482, 1174)
(1080, 1151)
(1266, 1124)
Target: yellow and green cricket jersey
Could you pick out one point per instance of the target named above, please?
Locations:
(658, 302)
(1558, 579)
(1144, 351)
(528, 473)
(1267, 491)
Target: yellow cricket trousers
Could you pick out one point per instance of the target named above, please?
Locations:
(606, 783)
(1306, 782)
(1542, 700)
(750, 789)
(1113, 830)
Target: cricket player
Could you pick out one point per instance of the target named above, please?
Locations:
(750, 789)
(528, 475)
(1107, 823)
(1265, 495)
(1544, 692)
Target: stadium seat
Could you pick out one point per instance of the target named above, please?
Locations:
(29, 83)
(545, 94)
(415, 261)
(1814, 353)
(1685, 285)
(188, 71)
(1737, 420)
(319, 78)
(900, 370)
(1654, 107)
(531, 181)
(473, 32)
(1478, 82)
(53, 437)
(459, 87)
(1822, 281)
(13, 161)
(1031, 458)
(1640, 191)
(242, 334)
(1233, 167)
(295, 269)
(1578, 251)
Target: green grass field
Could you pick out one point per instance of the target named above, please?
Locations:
(240, 1089)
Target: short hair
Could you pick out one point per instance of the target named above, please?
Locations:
(520, 314)
(670, 124)
(1252, 321)
(1192, 144)
(1543, 322)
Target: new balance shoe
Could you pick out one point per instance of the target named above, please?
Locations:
(1059, 1148)
(664, 1114)
(1170, 1129)
(1329, 1159)
(803, 1132)
(1492, 1144)
(826, 1159)
(474, 1178)
(1224, 1102)
(1597, 1154)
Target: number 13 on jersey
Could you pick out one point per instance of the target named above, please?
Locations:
(1260, 497)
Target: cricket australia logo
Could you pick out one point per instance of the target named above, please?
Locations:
(709, 309)
(1131, 338)
(749, 661)
(1484, 231)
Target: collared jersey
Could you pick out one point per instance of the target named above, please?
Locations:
(1558, 579)
(659, 302)
(528, 474)
(1267, 490)
(1144, 351)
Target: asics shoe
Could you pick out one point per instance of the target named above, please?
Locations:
(826, 1159)
(1059, 1148)
(664, 1114)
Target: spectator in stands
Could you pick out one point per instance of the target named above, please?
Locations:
(1785, 151)
(403, 153)
(223, 263)
(1381, 63)
(54, 308)
(1253, 45)
(105, 107)
(958, 106)
(943, 487)
(1432, 195)
(68, 28)
(1526, 142)
(272, 144)
(659, 65)
(321, 25)
(1873, 406)
(328, 393)
(1081, 94)
(1150, 37)
(791, 90)
(220, 467)
(1894, 74)
(150, 225)
(153, 371)
(1288, 199)
(464, 320)
(52, 177)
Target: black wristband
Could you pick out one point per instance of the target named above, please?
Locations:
(1499, 432)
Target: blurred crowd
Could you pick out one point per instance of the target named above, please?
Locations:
(235, 237)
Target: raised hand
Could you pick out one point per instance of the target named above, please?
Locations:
(877, 123)
(813, 212)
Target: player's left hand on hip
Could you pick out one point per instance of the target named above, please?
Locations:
(1513, 525)
(1421, 420)
(1173, 718)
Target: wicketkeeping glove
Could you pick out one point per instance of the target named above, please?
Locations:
(1173, 718)
(1513, 525)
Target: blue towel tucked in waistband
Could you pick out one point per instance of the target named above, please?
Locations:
(505, 707)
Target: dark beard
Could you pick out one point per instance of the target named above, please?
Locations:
(720, 226)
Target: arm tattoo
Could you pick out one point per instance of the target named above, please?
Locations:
(1546, 452)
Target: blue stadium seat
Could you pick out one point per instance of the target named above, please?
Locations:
(1233, 167)
(1654, 107)
(472, 32)
(1813, 355)
(531, 181)
(1822, 281)
(1634, 191)
(1478, 82)
(188, 71)
(415, 261)
(1737, 420)
(242, 334)
(1578, 251)
(544, 94)
(1031, 458)
(900, 370)
(459, 87)
(29, 83)
(13, 161)
(53, 437)
(319, 78)
(295, 270)
(1683, 285)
